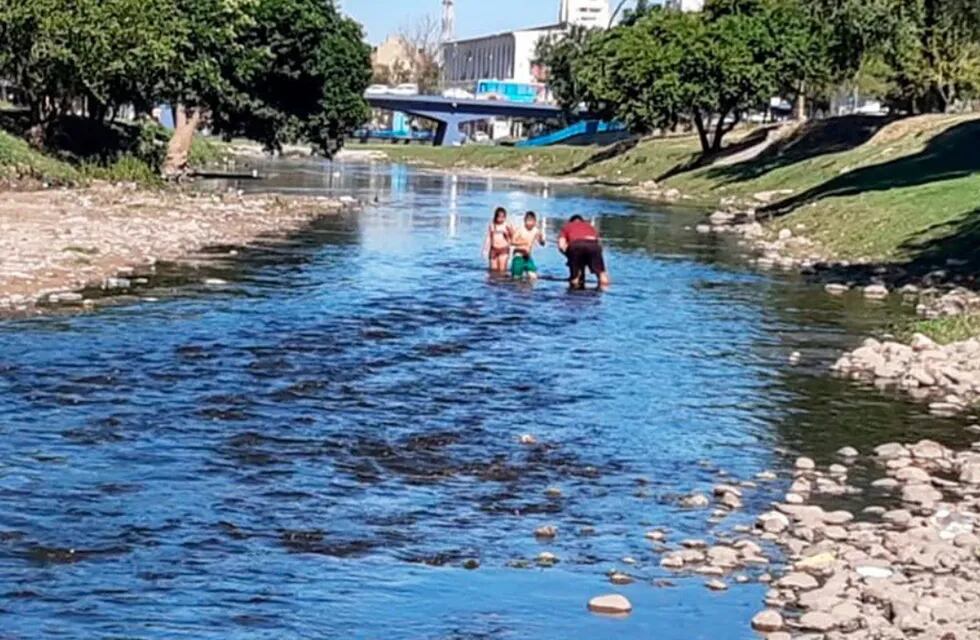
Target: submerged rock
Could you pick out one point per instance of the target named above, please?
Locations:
(611, 604)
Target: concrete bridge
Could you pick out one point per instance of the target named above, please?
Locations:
(449, 113)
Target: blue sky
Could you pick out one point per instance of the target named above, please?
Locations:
(473, 17)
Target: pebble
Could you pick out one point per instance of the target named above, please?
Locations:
(716, 585)
(848, 452)
(610, 604)
(620, 578)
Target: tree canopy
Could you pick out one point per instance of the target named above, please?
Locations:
(272, 70)
(661, 68)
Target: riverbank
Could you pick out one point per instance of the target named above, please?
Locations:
(864, 189)
(56, 243)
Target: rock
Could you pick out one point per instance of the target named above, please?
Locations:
(848, 452)
(795, 357)
(928, 450)
(805, 464)
(817, 621)
(716, 585)
(890, 451)
(656, 535)
(768, 621)
(611, 604)
(731, 501)
(835, 289)
(970, 473)
(898, 517)
(620, 578)
(876, 291)
(547, 559)
(765, 476)
(695, 501)
(798, 580)
(838, 517)
(773, 522)
(692, 543)
(921, 494)
(672, 561)
(471, 564)
(912, 474)
(785, 234)
(546, 531)
(723, 557)
(703, 229)
(817, 562)
(874, 572)
(527, 438)
(553, 492)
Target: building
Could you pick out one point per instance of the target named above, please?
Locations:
(394, 52)
(587, 13)
(503, 56)
(685, 5)
(510, 56)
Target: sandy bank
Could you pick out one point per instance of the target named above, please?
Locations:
(54, 243)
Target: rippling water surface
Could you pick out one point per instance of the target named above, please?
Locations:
(316, 448)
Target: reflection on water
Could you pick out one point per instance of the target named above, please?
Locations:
(319, 447)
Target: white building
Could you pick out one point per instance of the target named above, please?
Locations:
(685, 5)
(588, 13)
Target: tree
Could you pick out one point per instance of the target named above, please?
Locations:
(933, 49)
(275, 71)
(423, 39)
(558, 55)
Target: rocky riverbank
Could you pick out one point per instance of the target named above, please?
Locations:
(55, 243)
(947, 376)
(905, 567)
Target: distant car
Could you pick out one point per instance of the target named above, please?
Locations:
(377, 90)
(406, 89)
(458, 94)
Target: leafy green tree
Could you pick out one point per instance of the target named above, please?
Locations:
(556, 55)
(933, 49)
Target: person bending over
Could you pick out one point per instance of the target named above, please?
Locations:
(579, 241)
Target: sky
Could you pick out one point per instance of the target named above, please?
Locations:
(473, 17)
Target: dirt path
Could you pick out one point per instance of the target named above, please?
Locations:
(53, 243)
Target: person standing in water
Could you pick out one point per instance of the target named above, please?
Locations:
(579, 241)
(523, 240)
(497, 244)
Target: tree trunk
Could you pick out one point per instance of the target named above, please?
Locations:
(179, 148)
(702, 132)
(799, 107)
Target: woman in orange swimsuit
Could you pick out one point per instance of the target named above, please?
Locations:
(498, 241)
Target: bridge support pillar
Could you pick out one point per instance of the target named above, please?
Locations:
(447, 131)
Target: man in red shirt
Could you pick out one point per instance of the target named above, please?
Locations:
(579, 241)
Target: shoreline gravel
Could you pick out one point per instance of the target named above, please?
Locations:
(56, 243)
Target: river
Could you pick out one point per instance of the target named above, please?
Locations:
(317, 447)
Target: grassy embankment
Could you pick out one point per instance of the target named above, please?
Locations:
(125, 153)
(902, 193)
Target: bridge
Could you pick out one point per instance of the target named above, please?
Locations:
(449, 113)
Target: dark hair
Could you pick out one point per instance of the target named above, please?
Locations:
(530, 214)
(576, 218)
(497, 212)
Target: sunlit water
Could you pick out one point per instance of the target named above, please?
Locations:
(315, 449)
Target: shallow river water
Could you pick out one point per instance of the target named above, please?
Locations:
(317, 447)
